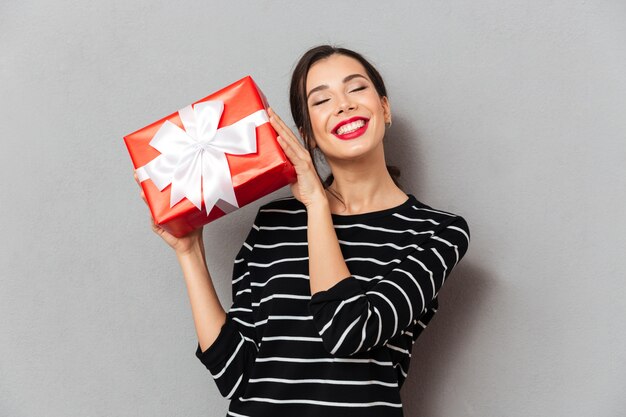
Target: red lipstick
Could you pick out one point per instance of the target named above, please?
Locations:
(353, 134)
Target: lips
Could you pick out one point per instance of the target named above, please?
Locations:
(351, 128)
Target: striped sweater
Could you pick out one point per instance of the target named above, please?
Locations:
(344, 351)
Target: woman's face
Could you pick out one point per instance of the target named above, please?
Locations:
(347, 114)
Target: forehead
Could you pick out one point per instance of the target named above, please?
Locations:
(333, 70)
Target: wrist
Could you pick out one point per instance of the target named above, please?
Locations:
(195, 248)
(318, 206)
(319, 202)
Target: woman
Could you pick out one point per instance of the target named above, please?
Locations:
(332, 286)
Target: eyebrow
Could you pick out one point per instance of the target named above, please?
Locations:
(325, 86)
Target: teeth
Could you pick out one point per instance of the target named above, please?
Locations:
(350, 127)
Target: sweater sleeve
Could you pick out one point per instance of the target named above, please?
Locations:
(351, 319)
(231, 356)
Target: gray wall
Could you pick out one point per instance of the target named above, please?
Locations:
(511, 113)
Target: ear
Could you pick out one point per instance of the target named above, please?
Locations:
(384, 101)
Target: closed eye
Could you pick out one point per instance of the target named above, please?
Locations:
(317, 103)
(358, 89)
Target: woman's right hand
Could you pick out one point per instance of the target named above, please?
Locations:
(181, 245)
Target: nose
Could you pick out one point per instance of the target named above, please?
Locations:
(345, 105)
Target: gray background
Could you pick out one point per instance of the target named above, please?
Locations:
(511, 113)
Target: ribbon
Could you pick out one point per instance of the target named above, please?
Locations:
(194, 160)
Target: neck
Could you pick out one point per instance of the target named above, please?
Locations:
(364, 185)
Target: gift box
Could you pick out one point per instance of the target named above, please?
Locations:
(209, 158)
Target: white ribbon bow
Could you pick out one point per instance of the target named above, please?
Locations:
(196, 157)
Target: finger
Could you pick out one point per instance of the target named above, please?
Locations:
(281, 127)
(286, 133)
(286, 145)
(155, 227)
(295, 153)
(143, 194)
(289, 151)
(279, 121)
(295, 145)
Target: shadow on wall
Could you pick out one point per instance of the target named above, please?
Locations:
(461, 298)
(444, 340)
(402, 150)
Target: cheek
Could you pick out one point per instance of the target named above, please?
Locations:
(318, 121)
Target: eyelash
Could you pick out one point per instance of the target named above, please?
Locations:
(351, 91)
(317, 103)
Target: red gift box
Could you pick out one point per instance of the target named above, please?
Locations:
(220, 152)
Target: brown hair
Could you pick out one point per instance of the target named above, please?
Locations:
(298, 98)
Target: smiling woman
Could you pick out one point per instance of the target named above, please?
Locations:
(345, 108)
(309, 98)
(329, 294)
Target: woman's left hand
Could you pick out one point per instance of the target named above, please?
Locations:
(308, 188)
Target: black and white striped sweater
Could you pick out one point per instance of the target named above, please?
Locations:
(344, 351)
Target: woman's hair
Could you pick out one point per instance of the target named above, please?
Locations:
(298, 98)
